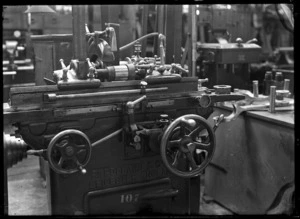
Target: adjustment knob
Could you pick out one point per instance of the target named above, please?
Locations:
(239, 41)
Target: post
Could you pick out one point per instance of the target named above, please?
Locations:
(192, 47)
(160, 25)
(173, 33)
(144, 28)
(79, 38)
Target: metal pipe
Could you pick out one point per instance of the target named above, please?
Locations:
(139, 39)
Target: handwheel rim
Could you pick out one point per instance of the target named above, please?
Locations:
(164, 146)
(60, 136)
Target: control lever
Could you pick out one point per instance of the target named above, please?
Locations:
(130, 110)
(91, 69)
(218, 120)
(200, 82)
(143, 85)
(178, 67)
(49, 82)
(249, 96)
(65, 70)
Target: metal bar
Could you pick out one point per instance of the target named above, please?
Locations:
(79, 37)
(194, 39)
(53, 97)
(85, 110)
(18, 85)
(8, 72)
(107, 137)
(19, 68)
(25, 61)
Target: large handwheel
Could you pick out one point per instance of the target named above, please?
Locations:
(187, 145)
(69, 151)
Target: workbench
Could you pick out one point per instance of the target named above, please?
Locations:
(253, 168)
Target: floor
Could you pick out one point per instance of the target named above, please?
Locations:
(27, 193)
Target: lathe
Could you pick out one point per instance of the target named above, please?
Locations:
(119, 139)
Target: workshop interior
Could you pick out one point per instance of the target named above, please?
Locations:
(148, 109)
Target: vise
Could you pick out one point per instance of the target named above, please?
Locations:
(228, 63)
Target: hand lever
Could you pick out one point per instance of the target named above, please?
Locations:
(130, 110)
(91, 69)
(65, 70)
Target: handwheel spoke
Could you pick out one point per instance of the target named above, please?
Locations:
(80, 146)
(174, 143)
(203, 146)
(62, 144)
(80, 151)
(77, 162)
(175, 162)
(60, 162)
(194, 133)
(183, 130)
(191, 160)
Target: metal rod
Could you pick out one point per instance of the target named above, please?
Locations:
(255, 88)
(286, 84)
(107, 137)
(139, 39)
(25, 61)
(272, 99)
(21, 68)
(53, 97)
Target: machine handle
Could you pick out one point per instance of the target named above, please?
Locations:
(131, 104)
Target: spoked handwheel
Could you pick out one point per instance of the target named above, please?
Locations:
(69, 151)
(187, 145)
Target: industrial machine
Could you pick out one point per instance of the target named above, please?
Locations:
(17, 67)
(119, 139)
(228, 63)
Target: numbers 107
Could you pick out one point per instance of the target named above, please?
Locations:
(129, 198)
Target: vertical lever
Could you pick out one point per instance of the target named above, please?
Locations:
(65, 70)
(218, 120)
(143, 85)
(91, 69)
(130, 110)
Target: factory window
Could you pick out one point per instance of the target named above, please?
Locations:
(63, 9)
